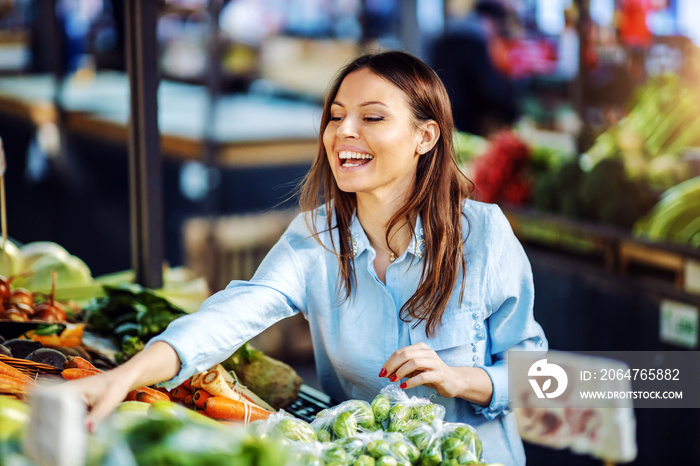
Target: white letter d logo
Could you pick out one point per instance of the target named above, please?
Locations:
(542, 368)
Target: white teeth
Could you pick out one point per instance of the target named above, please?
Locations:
(354, 155)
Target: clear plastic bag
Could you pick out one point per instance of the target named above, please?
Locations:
(448, 443)
(284, 426)
(397, 412)
(344, 420)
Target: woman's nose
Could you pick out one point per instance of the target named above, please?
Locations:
(348, 128)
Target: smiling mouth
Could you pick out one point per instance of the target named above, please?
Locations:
(354, 159)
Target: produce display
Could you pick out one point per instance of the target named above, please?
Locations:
(130, 315)
(676, 217)
(664, 120)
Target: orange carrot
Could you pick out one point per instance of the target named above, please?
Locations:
(75, 373)
(179, 393)
(187, 384)
(220, 407)
(14, 386)
(76, 362)
(189, 401)
(200, 396)
(146, 394)
(9, 371)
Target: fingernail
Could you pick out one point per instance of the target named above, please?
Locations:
(382, 372)
(89, 426)
(403, 385)
(393, 377)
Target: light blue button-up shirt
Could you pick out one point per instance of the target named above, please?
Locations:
(353, 338)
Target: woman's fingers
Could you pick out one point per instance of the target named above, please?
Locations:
(400, 357)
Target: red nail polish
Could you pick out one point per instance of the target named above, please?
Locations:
(393, 377)
(382, 372)
(403, 385)
(89, 426)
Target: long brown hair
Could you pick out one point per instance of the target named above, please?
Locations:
(438, 192)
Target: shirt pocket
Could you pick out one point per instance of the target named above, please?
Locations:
(461, 339)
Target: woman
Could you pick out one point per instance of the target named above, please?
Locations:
(401, 278)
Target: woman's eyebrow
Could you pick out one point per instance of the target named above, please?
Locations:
(363, 104)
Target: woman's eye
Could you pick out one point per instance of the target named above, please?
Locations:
(374, 118)
(336, 118)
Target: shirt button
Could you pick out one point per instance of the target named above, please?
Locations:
(480, 335)
(475, 315)
(541, 343)
(478, 326)
(475, 357)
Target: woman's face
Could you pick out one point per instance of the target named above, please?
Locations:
(371, 141)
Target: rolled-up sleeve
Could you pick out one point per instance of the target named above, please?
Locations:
(229, 318)
(510, 299)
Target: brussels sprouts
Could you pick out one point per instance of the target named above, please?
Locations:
(413, 453)
(380, 407)
(424, 413)
(386, 461)
(345, 425)
(323, 435)
(400, 451)
(399, 418)
(336, 453)
(364, 460)
(452, 447)
(311, 460)
(431, 456)
(471, 439)
(295, 429)
(378, 448)
(452, 462)
(420, 436)
(336, 463)
(352, 446)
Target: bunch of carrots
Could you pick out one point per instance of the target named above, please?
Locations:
(14, 382)
(209, 393)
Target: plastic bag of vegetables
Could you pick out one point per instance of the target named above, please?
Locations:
(446, 444)
(380, 448)
(284, 426)
(397, 412)
(344, 420)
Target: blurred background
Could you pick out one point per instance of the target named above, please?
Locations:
(581, 118)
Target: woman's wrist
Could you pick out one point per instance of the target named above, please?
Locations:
(157, 363)
(473, 384)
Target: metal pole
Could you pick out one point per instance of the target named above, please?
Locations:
(145, 183)
(213, 83)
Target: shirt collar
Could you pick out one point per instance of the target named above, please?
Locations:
(359, 241)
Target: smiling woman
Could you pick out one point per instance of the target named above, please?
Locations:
(377, 263)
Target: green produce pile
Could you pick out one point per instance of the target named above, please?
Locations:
(676, 217)
(393, 430)
(663, 122)
(605, 194)
(130, 315)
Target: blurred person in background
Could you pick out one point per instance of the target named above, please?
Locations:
(472, 60)
(402, 278)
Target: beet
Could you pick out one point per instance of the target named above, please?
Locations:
(22, 348)
(48, 356)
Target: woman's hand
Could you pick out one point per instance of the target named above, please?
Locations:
(422, 366)
(103, 392)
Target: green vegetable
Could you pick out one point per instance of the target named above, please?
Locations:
(399, 418)
(431, 456)
(336, 453)
(345, 425)
(378, 448)
(452, 447)
(352, 446)
(364, 460)
(386, 461)
(424, 413)
(420, 436)
(295, 429)
(401, 451)
(380, 408)
(311, 460)
(323, 435)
